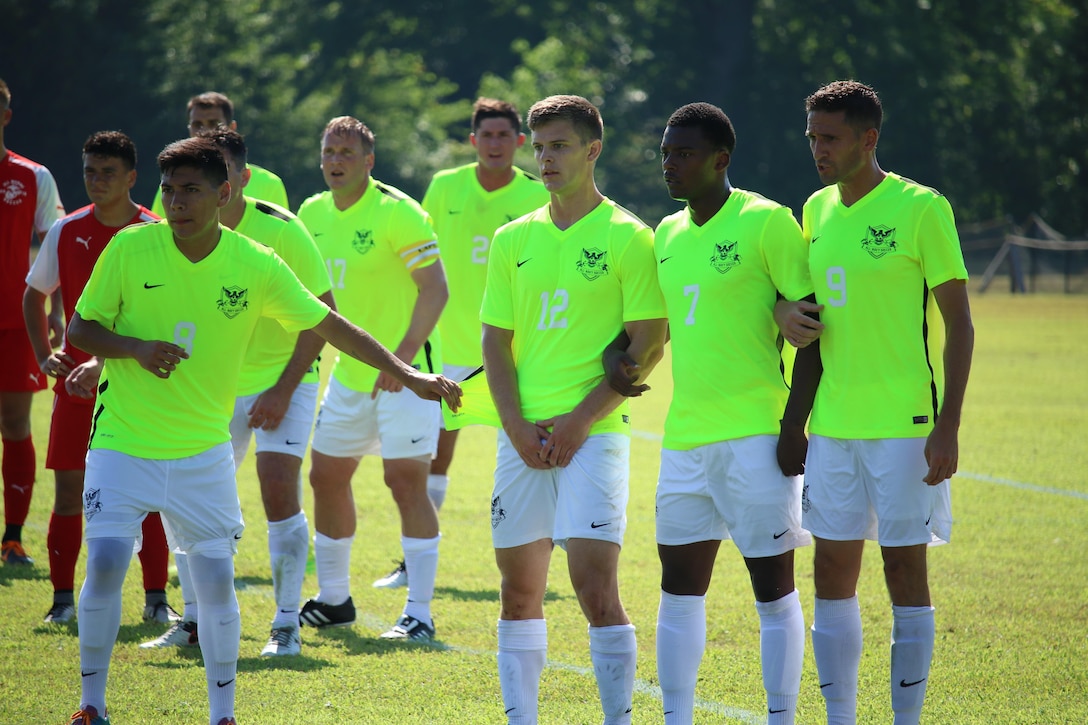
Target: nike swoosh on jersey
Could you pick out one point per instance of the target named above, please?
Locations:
(524, 261)
(148, 285)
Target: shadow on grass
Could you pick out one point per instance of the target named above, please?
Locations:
(10, 573)
(487, 595)
(241, 583)
(352, 643)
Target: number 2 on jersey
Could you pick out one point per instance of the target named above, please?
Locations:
(836, 282)
(480, 245)
(552, 307)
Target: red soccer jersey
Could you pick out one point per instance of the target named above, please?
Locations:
(29, 202)
(67, 257)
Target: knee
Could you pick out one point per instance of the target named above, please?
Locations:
(600, 605)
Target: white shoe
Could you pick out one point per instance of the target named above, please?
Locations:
(182, 634)
(283, 641)
(395, 579)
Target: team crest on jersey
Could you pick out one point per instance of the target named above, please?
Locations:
(725, 256)
(92, 503)
(232, 301)
(880, 241)
(13, 192)
(497, 513)
(592, 264)
(363, 241)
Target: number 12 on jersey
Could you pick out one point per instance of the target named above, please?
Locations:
(552, 307)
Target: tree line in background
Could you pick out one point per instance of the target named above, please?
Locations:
(984, 101)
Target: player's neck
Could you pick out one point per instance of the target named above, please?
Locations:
(344, 199)
(231, 215)
(117, 214)
(867, 178)
(568, 208)
(703, 210)
(197, 248)
(494, 179)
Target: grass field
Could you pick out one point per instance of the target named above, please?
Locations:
(1011, 591)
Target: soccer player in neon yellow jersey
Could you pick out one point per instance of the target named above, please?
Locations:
(885, 421)
(562, 282)
(166, 307)
(467, 204)
(212, 110)
(383, 260)
(277, 396)
(728, 249)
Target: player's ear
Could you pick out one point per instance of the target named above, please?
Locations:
(595, 147)
(722, 162)
(224, 194)
(246, 176)
(131, 178)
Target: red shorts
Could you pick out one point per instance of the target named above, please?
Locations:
(69, 433)
(19, 371)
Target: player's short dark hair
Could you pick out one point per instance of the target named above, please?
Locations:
(199, 153)
(351, 126)
(213, 99)
(711, 120)
(113, 144)
(5, 96)
(582, 114)
(485, 108)
(230, 142)
(859, 102)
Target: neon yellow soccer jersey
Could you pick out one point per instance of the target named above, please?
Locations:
(370, 251)
(272, 346)
(566, 294)
(263, 185)
(465, 217)
(144, 287)
(873, 265)
(720, 283)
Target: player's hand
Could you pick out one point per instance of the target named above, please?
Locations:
(56, 329)
(57, 365)
(566, 435)
(942, 452)
(82, 382)
(796, 326)
(270, 407)
(528, 440)
(388, 383)
(792, 449)
(436, 387)
(159, 358)
(621, 372)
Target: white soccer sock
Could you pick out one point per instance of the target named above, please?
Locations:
(421, 563)
(782, 649)
(220, 629)
(288, 545)
(437, 483)
(99, 615)
(836, 646)
(190, 610)
(613, 650)
(333, 559)
(523, 652)
(913, 632)
(681, 640)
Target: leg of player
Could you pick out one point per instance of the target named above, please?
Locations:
(407, 482)
(593, 567)
(439, 480)
(155, 561)
(681, 624)
(64, 540)
(913, 629)
(334, 522)
(288, 546)
(19, 466)
(522, 630)
(836, 626)
(781, 633)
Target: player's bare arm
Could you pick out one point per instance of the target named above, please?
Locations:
(82, 382)
(271, 406)
(799, 320)
(792, 442)
(569, 431)
(56, 316)
(158, 357)
(433, 293)
(942, 447)
(53, 363)
(358, 343)
(502, 379)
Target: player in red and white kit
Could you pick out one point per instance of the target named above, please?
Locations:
(29, 203)
(68, 254)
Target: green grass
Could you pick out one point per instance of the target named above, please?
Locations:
(1011, 591)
